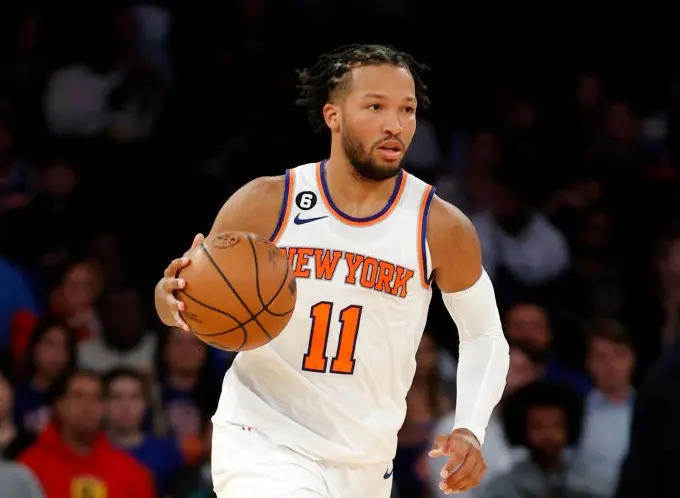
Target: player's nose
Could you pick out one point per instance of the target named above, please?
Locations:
(393, 126)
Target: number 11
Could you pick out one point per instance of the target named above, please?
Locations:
(315, 360)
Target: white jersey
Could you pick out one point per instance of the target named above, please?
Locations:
(333, 385)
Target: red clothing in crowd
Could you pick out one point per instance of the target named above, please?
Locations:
(105, 473)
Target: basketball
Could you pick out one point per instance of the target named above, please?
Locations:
(240, 291)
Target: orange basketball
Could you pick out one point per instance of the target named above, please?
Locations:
(240, 291)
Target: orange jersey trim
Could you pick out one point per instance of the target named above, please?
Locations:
(425, 204)
(286, 206)
(351, 220)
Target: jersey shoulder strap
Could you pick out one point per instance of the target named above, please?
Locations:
(299, 186)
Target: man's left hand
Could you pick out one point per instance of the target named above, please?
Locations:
(466, 465)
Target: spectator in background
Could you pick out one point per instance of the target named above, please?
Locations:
(529, 322)
(195, 481)
(426, 402)
(73, 457)
(545, 418)
(669, 273)
(186, 386)
(653, 310)
(520, 129)
(17, 480)
(597, 262)
(105, 255)
(51, 351)
(526, 365)
(57, 218)
(609, 406)
(16, 298)
(520, 246)
(617, 153)
(126, 406)
(134, 103)
(124, 341)
(111, 90)
(479, 156)
(424, 152)
(13, 439)
(651, 465)
(73, 289)
(75, 100)
(17, 178)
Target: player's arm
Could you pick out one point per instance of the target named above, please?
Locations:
(254, 208)
(483, 361)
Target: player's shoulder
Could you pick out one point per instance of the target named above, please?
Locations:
(440, 213)
(449, 231)
(275, 185)
(252, 208)
(260, 195)
(264, 185)
(446, 216)
(257, 206)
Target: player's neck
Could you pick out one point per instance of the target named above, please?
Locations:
(348, 190)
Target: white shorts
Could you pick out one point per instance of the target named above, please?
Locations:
(245, 464)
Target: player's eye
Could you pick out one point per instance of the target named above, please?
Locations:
(374, 107)
(410, 110)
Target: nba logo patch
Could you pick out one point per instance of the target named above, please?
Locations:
(88, 487)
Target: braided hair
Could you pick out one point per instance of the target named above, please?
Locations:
(329, 75)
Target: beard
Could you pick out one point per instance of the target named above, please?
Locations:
(363, 162)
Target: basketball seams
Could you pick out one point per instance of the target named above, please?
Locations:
(214, 344)
(265, 306)
(222, 263)
(241, 325)
(216, 310)
(253, 317)
(257, 270)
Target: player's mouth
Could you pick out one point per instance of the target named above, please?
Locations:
(391, 150)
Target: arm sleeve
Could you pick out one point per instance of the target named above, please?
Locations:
(483, 355)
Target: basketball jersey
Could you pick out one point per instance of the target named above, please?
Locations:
(333, 384)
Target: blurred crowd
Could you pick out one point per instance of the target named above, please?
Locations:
(111, 161)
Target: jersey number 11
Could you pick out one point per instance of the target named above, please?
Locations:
(315, 360)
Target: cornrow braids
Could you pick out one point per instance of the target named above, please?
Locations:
(318, 84)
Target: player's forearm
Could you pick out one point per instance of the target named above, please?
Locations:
(483, 358)
(482, 371)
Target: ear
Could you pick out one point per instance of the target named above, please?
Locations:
(331, 115)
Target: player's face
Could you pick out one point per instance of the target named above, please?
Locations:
(378, 120)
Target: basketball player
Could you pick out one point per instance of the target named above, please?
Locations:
(316, 412)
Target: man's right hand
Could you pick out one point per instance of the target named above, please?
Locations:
(168, 306)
